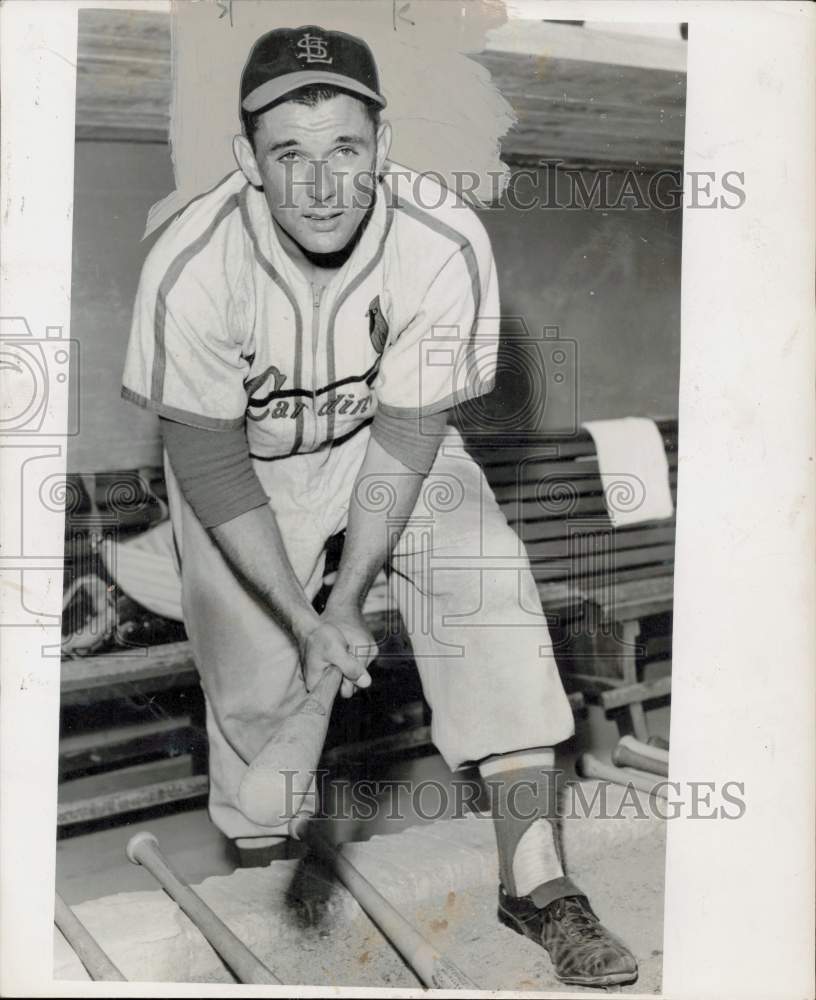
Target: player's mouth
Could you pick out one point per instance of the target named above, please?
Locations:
(323, 222)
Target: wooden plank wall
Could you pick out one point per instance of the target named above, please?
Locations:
(123, 76)
(579, 110)
(590, 114)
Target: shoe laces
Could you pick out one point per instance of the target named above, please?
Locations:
(575, 919)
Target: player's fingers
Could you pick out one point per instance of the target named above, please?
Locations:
(366, 652)
(347, 688)
(326, 645)
(362, 647)
(312, 672)
(340, 653)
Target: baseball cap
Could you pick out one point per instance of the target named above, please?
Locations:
(287, 59)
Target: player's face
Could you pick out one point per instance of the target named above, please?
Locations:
(318, 167)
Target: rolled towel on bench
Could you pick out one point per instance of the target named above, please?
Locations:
(634, 470)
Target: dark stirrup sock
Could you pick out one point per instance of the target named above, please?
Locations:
(523, 795)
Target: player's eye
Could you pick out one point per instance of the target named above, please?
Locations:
(345, 151)
(289, 157)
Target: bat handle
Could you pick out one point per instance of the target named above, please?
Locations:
(321, 697)
(143, 849)
(433, 969)
(87, 948)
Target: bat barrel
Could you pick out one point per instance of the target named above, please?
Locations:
(143, 849)
(276, 784)
(99, 966)
(433, 969)
(590, 767)
(632, 753)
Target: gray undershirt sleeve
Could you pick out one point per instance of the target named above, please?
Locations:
(214, 471)
(412, 440)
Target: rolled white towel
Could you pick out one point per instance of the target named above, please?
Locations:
(634, 470)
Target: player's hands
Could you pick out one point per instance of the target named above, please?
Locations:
(346, 647)
(360, 643)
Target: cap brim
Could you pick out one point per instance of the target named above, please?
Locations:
(274, 89)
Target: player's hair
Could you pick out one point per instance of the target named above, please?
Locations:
(311, 95)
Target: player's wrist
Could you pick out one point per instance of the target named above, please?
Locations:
(344, 602)
(302, 622)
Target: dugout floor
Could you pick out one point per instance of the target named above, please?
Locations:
(625, 882)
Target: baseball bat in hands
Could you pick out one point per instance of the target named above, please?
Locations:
(278, 780)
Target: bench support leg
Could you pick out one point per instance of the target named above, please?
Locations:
(637, 715)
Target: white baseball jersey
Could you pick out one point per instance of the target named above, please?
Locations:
(227, 329)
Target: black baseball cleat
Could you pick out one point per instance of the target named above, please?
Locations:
(582, 950)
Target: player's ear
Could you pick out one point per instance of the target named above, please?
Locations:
(383, 146)
(245, 158)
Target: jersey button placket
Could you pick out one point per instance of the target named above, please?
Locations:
(317, 294)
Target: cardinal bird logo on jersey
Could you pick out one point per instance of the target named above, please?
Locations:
(377, 326)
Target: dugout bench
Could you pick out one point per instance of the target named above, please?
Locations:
(132, 721)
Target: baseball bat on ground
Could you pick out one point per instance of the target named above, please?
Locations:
(99, 966)
(143, 849)
(630, 752)
(590, 767)
(433, 969)
(278, 779)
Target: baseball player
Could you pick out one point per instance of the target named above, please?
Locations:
(302, 331)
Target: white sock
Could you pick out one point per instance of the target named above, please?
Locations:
(535, 860)
(501, 763)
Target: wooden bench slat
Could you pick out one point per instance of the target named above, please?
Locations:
(551, 450)
(577, 444)
(86, 671)
(91, 679)
(612, 601)
(101, 748)
(627, 600)
(626, 574)
(627, 694)
(552, 503)
(143, 797)
(599, 565)
(583, 507)
(507, 470)
(561, 534)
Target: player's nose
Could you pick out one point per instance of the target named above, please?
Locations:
(323, 181)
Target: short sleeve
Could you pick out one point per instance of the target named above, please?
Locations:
(184, 358)
(447, 353)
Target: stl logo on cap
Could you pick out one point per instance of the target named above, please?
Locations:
(314, 49)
